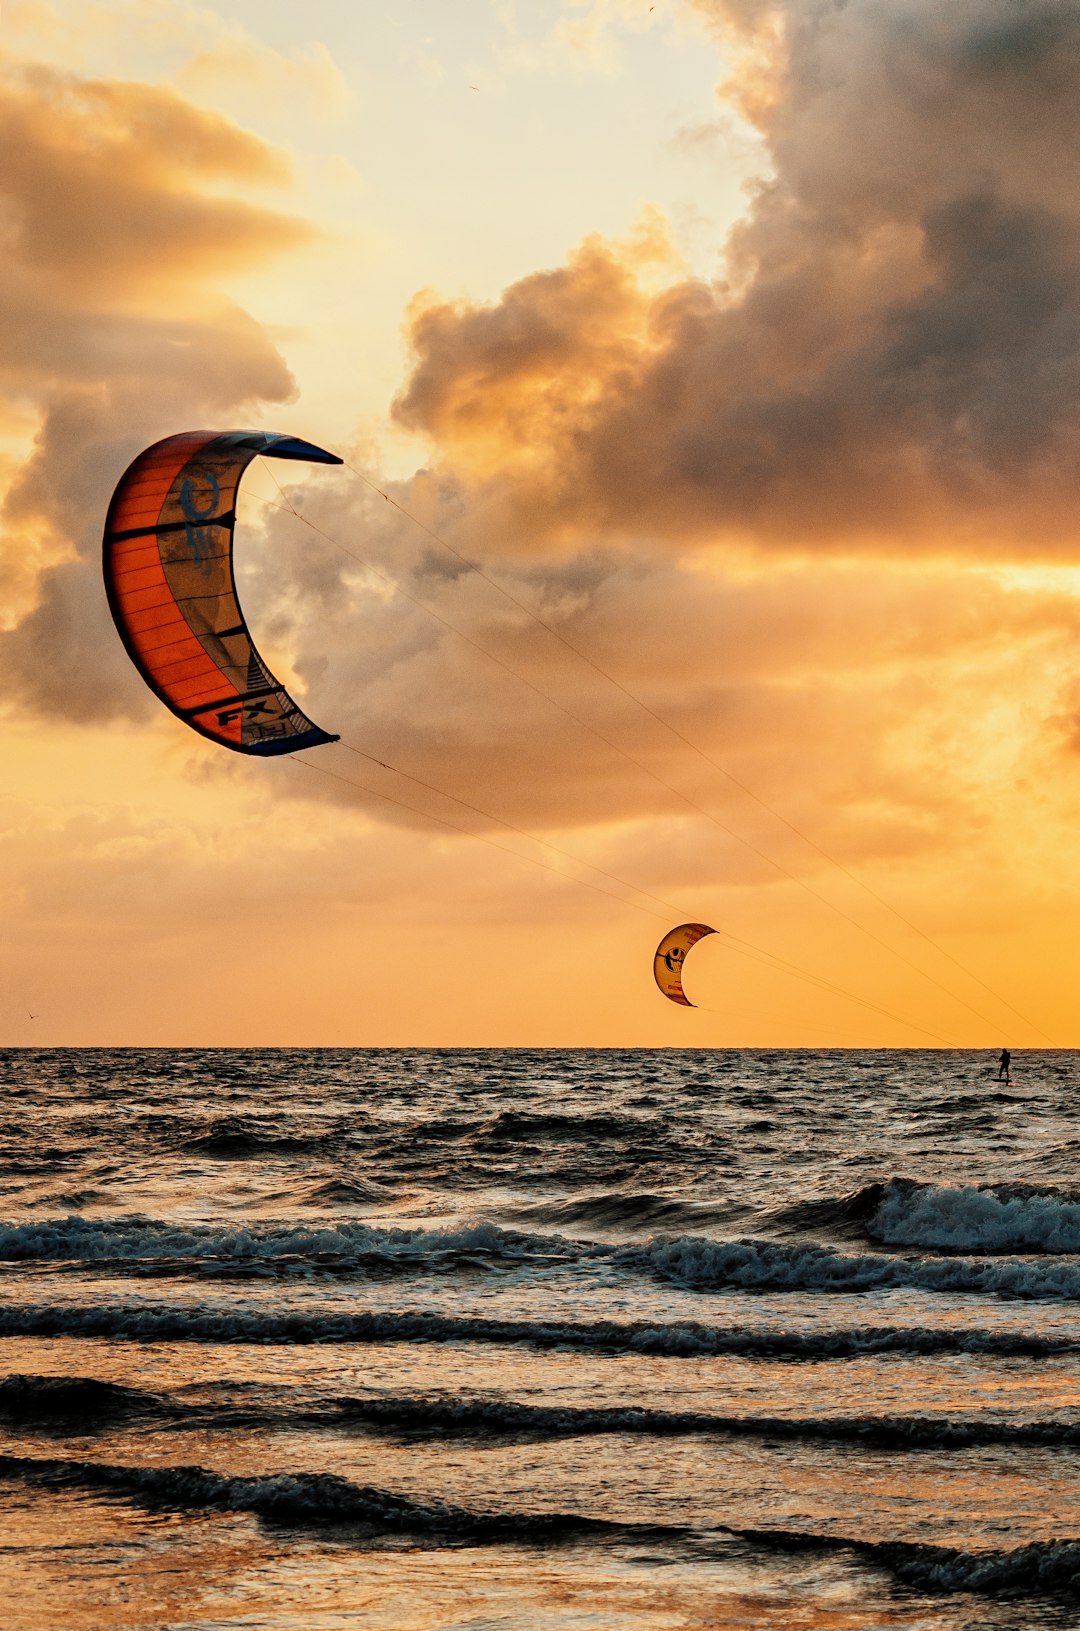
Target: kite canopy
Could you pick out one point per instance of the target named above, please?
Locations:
(670, 956)
(169, 578)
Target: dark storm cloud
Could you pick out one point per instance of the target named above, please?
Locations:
(894, 358)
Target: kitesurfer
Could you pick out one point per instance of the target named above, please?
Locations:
(1003, 1065)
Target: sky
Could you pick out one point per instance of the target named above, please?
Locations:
(707, 377)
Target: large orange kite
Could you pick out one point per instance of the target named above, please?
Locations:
(169, 578)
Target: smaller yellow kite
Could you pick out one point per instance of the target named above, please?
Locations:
(670, 956)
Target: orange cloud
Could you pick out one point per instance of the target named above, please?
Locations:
(859, 700)
(894, 359)
(105, 188)
(113, 332)
(500, 387)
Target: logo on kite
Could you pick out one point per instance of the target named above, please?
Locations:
(168, 568)
(670, 957)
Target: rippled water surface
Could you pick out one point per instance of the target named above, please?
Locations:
(318, 1339)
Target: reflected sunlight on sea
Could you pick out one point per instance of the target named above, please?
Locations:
(421, 1340)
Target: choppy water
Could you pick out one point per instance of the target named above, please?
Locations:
(645, 1340)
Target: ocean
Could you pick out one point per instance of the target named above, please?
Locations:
(627, 1340)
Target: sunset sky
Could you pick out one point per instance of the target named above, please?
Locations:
(737, 342)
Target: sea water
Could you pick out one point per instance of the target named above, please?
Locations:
(420, 1340)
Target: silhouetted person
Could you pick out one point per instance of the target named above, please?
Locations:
(1003, 1065)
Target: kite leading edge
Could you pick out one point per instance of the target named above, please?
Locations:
(670, 956)
(167, 560)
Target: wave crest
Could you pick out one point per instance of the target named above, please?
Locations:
(976, 1218)
(303, 1499)
(147, 1322)
(762, 1265)
(76, 1239)
(315, 1500)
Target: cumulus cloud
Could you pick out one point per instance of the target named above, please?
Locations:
(892, 360)
(859, 700)
(588, 429)
(115, 237)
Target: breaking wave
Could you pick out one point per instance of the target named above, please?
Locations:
(693, 1261)
(759, 1265)
(976, 1218)
(992, 1219)
(93, 1240)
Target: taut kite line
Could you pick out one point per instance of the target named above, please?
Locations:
(169, 578)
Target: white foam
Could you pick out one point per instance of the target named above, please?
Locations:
(692, 1261)
(78, 1239)
(968, 1219)
(705, 1265)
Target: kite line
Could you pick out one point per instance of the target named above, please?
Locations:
(287, 507)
